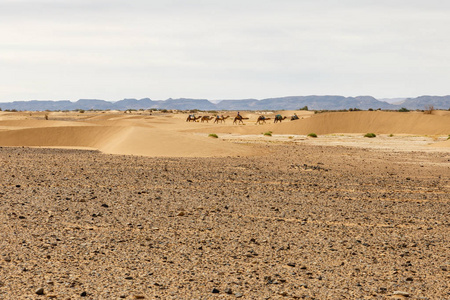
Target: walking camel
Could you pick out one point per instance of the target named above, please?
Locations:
(239, 118)
(279, 118)
(206, 118)
(221, 119)
(192, 118)
(261, 120)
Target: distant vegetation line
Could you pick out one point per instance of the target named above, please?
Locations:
(281, 103)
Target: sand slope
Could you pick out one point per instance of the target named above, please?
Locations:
(171, 135)
(117, 134)
(350, 122)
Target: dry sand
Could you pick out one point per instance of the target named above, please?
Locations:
(180, 215)
(170, 135)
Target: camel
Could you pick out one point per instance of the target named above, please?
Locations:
(221, 119)
(239, 118)
(261, 120)
(192, 118)
(279, 118)
(206, 118)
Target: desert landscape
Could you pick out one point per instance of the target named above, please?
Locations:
(145, 205)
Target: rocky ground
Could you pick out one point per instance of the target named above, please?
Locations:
(304, 222)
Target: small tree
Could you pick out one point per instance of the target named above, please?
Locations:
(304, 108)
(403, 109)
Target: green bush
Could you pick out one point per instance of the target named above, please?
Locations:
(370, 135)
(213, 135)
(268, 133)
(312, 134)
(403, 109)
(391, 135)
(448, 137)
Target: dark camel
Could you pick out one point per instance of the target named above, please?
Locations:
(221, 119)
(261, 120)
(239, 118)
(279, 118)
(192, 118)
(206, 118)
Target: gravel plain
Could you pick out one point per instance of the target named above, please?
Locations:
(296, 222)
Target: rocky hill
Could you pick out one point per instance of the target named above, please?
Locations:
(287, 103)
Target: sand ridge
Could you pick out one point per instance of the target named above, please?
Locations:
(159, 134)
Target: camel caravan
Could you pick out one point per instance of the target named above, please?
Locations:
(239, 119)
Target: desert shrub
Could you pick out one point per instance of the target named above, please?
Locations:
(312, 134)
(268, 133)
(370, 135)
(448, 137)
(428, 109)
(304, 108)
(391, 135)
(291, 137)
(403, 109)
(46, 116)
(213, 135)
(370, 109)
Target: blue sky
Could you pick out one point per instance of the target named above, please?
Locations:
(58, 49)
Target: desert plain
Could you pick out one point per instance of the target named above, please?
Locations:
(114, 205)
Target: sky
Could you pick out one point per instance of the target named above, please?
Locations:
(217, 49)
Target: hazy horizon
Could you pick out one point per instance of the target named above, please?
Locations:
(216, 50)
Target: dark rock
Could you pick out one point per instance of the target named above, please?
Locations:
(40, 291)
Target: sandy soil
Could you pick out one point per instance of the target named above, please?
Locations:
(169, 135)
(243, 216)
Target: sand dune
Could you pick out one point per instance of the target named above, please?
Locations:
(171, 135)
(351, 122)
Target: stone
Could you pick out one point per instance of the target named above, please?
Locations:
(401, 293)
(40, 291)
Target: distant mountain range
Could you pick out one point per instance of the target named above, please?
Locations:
(282, 103)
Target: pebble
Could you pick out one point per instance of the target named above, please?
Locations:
(40, 291)
(215, 291)
(401, 293)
